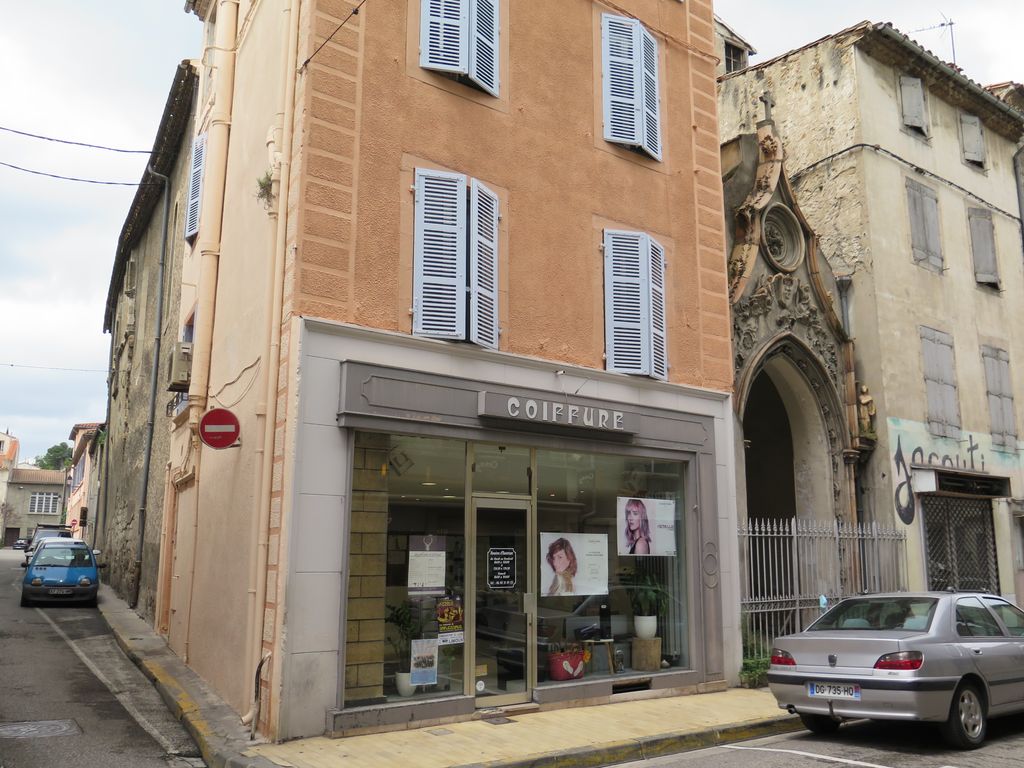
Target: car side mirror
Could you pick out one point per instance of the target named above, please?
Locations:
(24, 565)
(102, 565)
(97, 552)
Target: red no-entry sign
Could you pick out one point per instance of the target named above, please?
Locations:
(219, 428)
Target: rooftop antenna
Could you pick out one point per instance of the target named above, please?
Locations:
(945, 23)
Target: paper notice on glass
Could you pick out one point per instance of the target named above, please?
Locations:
(426, 565)
(450, 628)
(424, 661)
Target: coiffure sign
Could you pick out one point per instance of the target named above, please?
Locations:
(562, 413)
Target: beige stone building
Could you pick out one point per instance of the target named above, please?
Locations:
(909, 172)
(34, 497)
(83, 478)
(457, 268)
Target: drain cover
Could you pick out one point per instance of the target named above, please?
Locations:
(39, 729)
(497, 720)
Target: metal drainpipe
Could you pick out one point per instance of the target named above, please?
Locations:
(154, 377)
(101, 511)
(1018, 167)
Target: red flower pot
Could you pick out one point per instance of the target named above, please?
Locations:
(566, 665)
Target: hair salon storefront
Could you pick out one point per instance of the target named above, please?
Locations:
(503, 538)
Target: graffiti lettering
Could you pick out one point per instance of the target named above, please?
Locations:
(904, 495)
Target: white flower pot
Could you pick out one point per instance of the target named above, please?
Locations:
(403, 682)
(646, 626)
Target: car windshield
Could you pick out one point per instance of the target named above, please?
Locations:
(67, 557)
(879, 613)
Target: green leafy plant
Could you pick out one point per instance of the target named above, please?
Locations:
(754, 672)
(265, 189)
(408, 627)
(647, 594)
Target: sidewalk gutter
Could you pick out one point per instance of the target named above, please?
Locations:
(647, 748)
(214, 726)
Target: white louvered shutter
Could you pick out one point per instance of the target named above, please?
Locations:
(940, 382)
(659, 348)
(983, 246)
(195, 186)
(483, 44)
(439, 255)
(651, 96)
(483, 265)
(444, 39)
(973, 137)
(912, 97)
(923, 205)
(626, 302)
(621, 80)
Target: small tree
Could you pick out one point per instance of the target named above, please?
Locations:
(56, 457)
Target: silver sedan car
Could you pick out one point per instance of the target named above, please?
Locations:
(953, 658)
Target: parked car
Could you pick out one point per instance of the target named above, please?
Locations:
(952, 658)
(61, 570)
(44, 533)
(19, 544)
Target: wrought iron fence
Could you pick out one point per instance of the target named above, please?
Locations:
(790, 564)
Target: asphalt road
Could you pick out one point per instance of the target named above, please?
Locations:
(863, 745)
(70, 697)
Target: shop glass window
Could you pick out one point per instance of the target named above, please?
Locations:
(612, 550)
(405, 634)
(501, 469)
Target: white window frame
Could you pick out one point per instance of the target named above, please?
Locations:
(635, 308)
(463, 38)
(44, 503)
(630, 84)
(455, 258)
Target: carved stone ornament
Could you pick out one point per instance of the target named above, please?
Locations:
(782, 303)
(782, 238)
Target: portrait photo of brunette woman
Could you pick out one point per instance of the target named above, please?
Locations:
(562, 560)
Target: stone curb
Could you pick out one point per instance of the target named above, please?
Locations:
(648, 747)
(212, 724)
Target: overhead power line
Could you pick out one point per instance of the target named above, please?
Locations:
(354, 12)
(76, 143)
(71, 178)
(52, 368)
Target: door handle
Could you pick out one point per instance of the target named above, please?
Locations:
(976, 651)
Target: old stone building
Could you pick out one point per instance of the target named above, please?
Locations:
(34, 497)
(457, 269)
(908, 172)
(141, 317)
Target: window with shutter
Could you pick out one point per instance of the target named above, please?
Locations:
(1002, 416)
(983, 246)
(923, 207)
(483, 266)
(460, 37)
(195, 186)
(629, 84)
(973, 139)
(455, 255)
(439, 255)
(940, 382)
(634, 285)
(912, 101)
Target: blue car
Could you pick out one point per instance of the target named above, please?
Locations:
(61, 571)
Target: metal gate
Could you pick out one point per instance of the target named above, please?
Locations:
(960, 543)
(789, 564)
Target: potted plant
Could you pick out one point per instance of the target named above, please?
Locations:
(567, 661)
(407, 627)
(649, 600)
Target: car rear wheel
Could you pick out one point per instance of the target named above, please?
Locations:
(968, 722)
(819, 723)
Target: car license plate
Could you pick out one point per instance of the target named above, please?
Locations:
(834, 691)
(60, 591)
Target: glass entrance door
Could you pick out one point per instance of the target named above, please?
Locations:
(504, 602)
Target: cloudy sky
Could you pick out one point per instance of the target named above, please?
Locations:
(98, 71)
(92, 71)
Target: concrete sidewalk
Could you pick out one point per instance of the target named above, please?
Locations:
(574, 737)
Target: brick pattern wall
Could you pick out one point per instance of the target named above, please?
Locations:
(364, 640)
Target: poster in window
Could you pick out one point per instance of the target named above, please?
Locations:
(424, 662)
(646, 526)
(426, 565)
(574, 564)
(450, 627)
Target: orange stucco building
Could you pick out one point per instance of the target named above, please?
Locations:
(458, 268)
